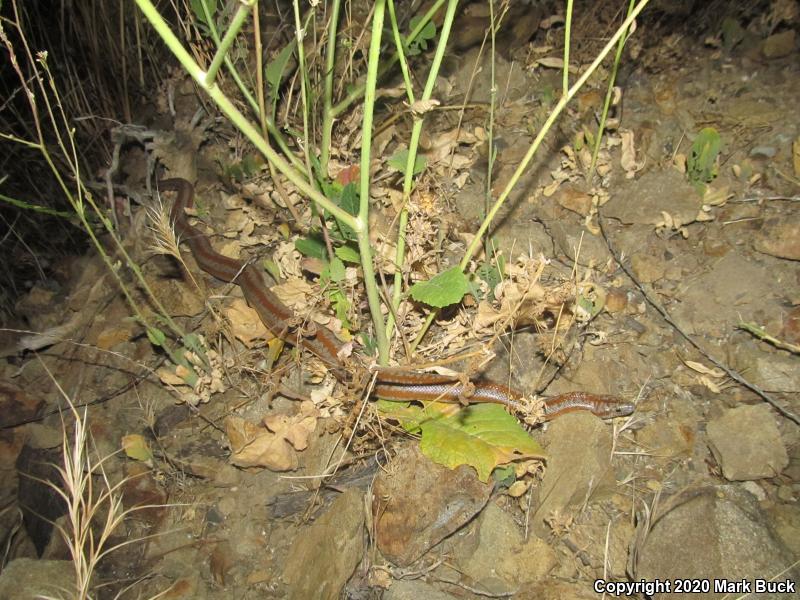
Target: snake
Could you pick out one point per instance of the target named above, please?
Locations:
(391, 383)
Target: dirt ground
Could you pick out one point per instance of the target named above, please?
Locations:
(697, 490)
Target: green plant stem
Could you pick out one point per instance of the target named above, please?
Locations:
(609, 93)
(327, 94)
(254, 105)
(493, 25)
(365, 250)
(235, 26)
(762, 334)
(401, 55)
(358, 91)
(235, 116)
(301, 58)
(413, 147)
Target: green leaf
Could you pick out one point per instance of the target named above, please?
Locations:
(447, 288)
(335, 270)
(348, 200)
(341, 306)
(348, 254)
(156, 336)
(200, 14)
(420, 43)
(400, 158)
(701, 165)
(313, 247)
(276, 67)
(483, 436)
(412, 416)
(504, 476)
(492, 273)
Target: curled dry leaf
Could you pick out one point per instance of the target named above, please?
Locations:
(420, 107)
(253, 446)
(245, 323)
(628, 157)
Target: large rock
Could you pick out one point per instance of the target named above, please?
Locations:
(324, 556)
(418, 503)
(31, 579)
(712, 533)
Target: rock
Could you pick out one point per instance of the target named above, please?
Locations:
(16, 405)
(576, 242)
(785, 520)
(647, 268)
(780, 238)
(641, 202)
(575, 200)
(554, 589)
(616, 300)
(30, 579)
(414, 590)
(324, 555)
(501, 551)
(747, 444)
(779, 45)
(419, 503)
(714, 532)
(579, 447)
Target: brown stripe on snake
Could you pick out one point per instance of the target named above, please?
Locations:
(275, 315)
(393, 384)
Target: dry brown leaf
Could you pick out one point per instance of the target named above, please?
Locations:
(245, 323)
(628, 158)
(420, 107)
(254, 446)
(701, 368)
(295, 293)
(295, 429)
(711, 385)
(169, 377)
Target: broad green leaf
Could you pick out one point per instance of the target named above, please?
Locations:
(412, 416)
(313, 247)
(341, 306)
(200, 14)
(483, 436)
(448, 287)
(348, 200)
(400, 158)
(348, 254)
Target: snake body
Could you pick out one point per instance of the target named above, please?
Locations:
(392, 384)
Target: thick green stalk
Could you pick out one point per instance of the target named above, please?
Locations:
(373, 298)
(413, 147)
(327, 94)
